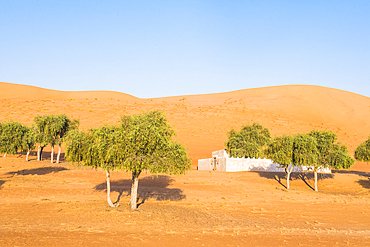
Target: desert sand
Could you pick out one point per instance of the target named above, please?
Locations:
(44, 204)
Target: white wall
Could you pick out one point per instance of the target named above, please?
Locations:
(224, 163)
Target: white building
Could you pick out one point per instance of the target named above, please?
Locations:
(221, 161)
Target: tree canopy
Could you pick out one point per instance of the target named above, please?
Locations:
(320, 149)
(11, 134)
(139, 142)
(280, 150)
(248, 142)
(362, 152)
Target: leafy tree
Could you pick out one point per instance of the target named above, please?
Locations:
(51, 129)
(362, 152)
(41, 134)
(11, 137)
(66, 125)
(28, 140)
(248, 142)
(91, 149)
(280, 150)
(320, 149)
(140, 142)
(149, 147)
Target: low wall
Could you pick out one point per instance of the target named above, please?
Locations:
(248, 164)
(205, 164)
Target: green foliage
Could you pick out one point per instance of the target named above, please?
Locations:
(248, 142)
(280, 150)
(305, 150)
(139, 142)
(28, 139)
(330, 153)
(51, 129)
(362, 152)
(150, 145)
(11, 134)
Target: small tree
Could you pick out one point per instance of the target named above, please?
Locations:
(362, 152)
(28, 140)
(149, 147)
(320, 149)
(280, 150)
(90, 149)
(66, 125)
(248, 142)
(11, 137)
(41, 134)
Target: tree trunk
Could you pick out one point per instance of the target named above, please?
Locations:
(315, 172)
(38, 152)
(108, 190)
(42, 148)
(287, 180)
(134, 187)
(4, 155)
(60, 148)
(52, 153)
(28, 154)
(288, 171)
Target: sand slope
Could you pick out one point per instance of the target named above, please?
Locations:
(202, 121)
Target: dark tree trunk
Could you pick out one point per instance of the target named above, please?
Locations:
(39, 151)
(134, 188)
(41, 148)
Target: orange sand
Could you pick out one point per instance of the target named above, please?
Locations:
(44, 204)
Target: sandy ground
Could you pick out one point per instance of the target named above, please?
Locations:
(44, 204)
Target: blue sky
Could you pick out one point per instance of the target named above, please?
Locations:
(167, 48)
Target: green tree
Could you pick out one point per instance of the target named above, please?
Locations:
(11, 137)
(41, 134)
(90, 149)
(140, 142)
(280, 150)
(362, 152)
(320, 149)
(250, 141)
(28, 140)
(51, 129)
(150, 147)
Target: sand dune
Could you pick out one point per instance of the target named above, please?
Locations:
(202, 121)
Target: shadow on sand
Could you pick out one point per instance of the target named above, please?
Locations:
(304, 176)
(1, 183)
(38, 171)
(149, 187)
(364, 183)
(365, 174)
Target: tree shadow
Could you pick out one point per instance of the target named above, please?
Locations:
(1, 183)
(38, 171)
(365, 174)
(149, 187)
(364, 183)
(304, 176)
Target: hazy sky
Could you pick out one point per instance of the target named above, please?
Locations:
(167, 48)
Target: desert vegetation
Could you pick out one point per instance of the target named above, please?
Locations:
(138, 143)
(316, 149)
